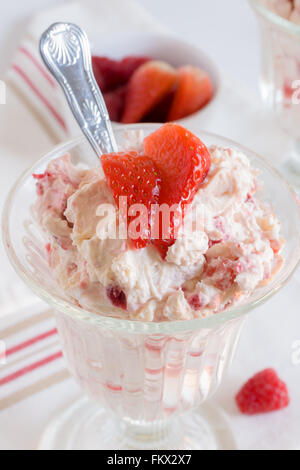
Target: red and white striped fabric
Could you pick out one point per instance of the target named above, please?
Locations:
(30, 78)
(31, 358)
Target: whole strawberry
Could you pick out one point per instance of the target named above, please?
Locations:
(264, 393)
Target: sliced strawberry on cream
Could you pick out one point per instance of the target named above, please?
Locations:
(135, 177)
(183, 162)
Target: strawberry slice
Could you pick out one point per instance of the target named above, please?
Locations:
(182, 159)
(137, 178)
(111, 74)
(114, 101)
(160, 112)
(194, 91)
(106, 73)
(128, 66)
(146, 88)
(183, 162)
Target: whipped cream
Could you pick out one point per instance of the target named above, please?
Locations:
(228, 246)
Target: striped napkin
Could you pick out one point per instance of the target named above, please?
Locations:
(38, 89)
(30, 355)
(34, 381)
(31, 80)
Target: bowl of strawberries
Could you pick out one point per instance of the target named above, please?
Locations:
(154, 77)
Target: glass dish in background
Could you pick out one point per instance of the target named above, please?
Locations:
(280, 78)
(149, 381)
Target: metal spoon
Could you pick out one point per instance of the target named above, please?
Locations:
(65, 50)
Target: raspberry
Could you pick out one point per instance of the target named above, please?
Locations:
(264, 393)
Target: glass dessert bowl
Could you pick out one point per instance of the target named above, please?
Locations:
(280, 76)
(148, 381)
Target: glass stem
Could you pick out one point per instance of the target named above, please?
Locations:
(147, 433)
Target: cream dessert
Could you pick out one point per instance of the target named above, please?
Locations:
(227, 244)
(288, 9)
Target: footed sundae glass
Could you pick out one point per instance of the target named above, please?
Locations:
(280, 78)
(146, 384)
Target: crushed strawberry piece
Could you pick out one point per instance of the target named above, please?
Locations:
(195, 302)
(288, 91)
(213, 243)
(275, 245)
(117, 297)
(222, 272)
(263, 393)
(71, 268)
(39, 176)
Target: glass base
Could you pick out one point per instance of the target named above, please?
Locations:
(85, 426)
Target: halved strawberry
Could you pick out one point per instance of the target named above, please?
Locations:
(137, 178)
(147, 87)
(183, 162)
(114, 101)
(111, 74)
(128, 66)
(194, 91)
(160, 112)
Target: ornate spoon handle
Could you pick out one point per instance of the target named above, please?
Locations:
(66, 52)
